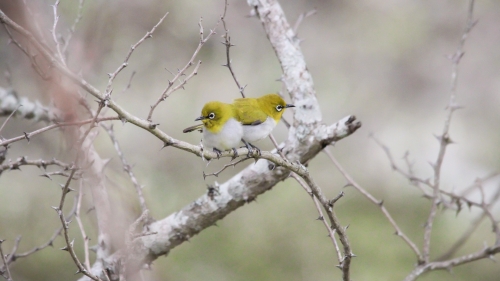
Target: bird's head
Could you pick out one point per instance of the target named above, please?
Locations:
(214, 115)
(273, 105)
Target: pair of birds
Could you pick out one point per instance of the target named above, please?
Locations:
(247, 119)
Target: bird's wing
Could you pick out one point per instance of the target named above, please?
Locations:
(193, 128)
(249, 113)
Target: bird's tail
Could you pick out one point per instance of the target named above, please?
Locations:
(198, 127)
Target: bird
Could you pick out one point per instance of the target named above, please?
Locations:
(220, 127)
(259, 116)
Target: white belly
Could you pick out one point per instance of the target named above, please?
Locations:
(227, 138)
(257, 132)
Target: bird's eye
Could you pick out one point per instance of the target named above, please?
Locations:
(211, 115)
(279, 107)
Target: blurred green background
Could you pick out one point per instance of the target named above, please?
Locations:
(383, 61)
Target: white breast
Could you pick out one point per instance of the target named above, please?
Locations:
(253, 133)
(227, 138)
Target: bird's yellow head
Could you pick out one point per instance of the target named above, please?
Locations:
(273, 105)
(214, 115)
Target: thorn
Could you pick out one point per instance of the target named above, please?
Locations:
(347, 185)
(469, 204)
(65, 248)
(27, 136)
(165, 144)
(380, 203)
(320, 218)
(47, 176)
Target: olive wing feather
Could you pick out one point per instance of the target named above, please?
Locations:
(248, 112)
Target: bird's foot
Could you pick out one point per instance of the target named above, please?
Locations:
(249, 147)
(218, 152)
(256, 149)
(235, 154)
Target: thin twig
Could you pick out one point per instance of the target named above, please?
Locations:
(6, 265)
(302, 17)
(65, 190)
(331, 232)
(379, 203)
(31, 57)
(444, 138)
(82, 229)
(79, 15)
(27, 136)
(148, 34)
(40, 163)
(169, 90)
(227, 43)
(231, 164)
(8, 118)
(54, 34)
(345, 262)
(127, 168)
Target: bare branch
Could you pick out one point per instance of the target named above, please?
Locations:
(82, 230)
(8, 118)
(53, 126)
(379, 203)
(6, 265)
(302, 17)
(127, 168)
(169, 90)
(54, 33)
(232, 164)
(148, 34)
(487, 252)
(227, 43)
(444, 138)
(78, 17)
(331, 231)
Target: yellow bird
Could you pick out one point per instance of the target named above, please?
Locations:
(221, 129)
(259, 116)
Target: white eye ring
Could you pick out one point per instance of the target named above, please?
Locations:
(279, 107)
(211, 115)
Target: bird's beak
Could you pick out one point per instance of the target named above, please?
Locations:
(289, 105)
(200, 118)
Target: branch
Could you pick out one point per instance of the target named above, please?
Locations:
(227, 43)
(169, 90)
(487, 252)
(379, 203)
(113, 75)
(27, 136)
(444, 138)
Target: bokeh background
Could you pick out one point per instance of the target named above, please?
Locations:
(383, 61)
